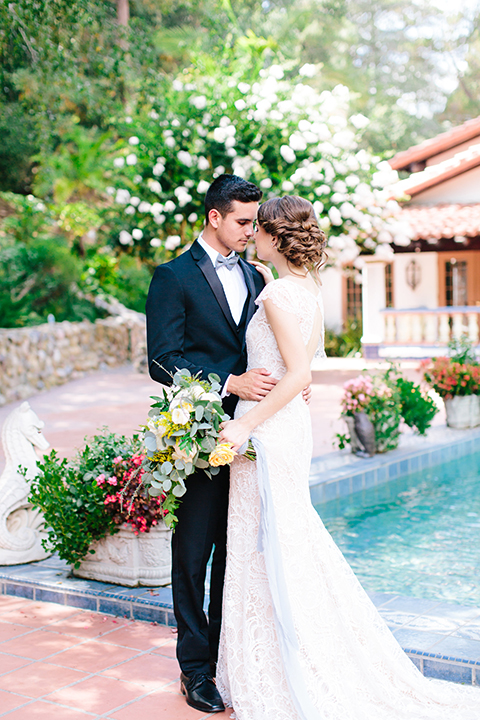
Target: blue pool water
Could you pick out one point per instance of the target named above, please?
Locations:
(418, 535)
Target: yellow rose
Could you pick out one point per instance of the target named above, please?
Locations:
(222, 455)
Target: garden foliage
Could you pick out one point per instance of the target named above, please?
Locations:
(82, 499)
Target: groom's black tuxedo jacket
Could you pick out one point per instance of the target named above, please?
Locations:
(189, 323)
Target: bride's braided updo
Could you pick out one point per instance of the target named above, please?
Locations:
(291, 220)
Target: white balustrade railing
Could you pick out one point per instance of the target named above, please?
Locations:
(431, 326)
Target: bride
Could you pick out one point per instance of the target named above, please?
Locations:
(300, 638)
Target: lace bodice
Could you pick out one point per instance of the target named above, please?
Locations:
(293, 298)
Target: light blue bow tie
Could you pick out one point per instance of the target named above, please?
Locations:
(228, 262)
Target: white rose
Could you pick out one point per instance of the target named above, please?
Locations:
(180, 416)
(124, 238)
(169, 206)
(266, 184)
(335, 217)
(202, 187)
(200, 102)
(155, 242)
(137, 234)
(131, 159)
(133, 140)
(144, 207)
(287, 153)
(119, 162)
(172, 242)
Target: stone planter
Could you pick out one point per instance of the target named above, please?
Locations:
(463, 411)
(129, 559)
(362, 434)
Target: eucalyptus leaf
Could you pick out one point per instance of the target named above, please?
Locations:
(194, 428)
(153, 412)
(179, 433)
(167, 467)
(151, 443)
(169, 441)
(167, 484)
(147, 478)
(213, 378)
(199, 413)
(155, 491)
(199, 463)
(208, 443)
(156, 484)
(214, 470)
(179, 464)
(157, 475)
(179, 491)
(188, 468)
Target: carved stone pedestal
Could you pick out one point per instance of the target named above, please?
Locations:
(129, 559)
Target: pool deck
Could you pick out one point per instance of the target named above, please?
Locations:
(442, 639)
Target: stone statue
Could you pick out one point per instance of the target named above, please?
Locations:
(20, 525)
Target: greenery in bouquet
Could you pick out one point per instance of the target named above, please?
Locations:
(181, 436)
(92, 495)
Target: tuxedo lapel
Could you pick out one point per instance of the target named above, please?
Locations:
(205, 265)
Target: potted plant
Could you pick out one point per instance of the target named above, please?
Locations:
(373, 407)
(100, 517)
(457, 380)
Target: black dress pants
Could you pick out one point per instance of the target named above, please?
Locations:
(202, 525)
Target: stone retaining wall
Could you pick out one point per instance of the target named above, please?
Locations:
(34, 358)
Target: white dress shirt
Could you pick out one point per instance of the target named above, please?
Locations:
(234, 287)
(233, 282)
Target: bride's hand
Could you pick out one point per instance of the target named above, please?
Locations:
(235, 433)
(264, 271)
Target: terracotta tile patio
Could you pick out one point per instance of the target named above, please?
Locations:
(60, 663)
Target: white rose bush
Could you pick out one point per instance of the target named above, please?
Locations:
(279, 133)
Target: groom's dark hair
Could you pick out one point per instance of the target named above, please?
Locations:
(227, 188)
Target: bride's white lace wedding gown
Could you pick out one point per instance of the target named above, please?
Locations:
(301, 639)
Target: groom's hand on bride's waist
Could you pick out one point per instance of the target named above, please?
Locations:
(251, 385)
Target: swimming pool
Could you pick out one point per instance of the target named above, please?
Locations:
(418, 535)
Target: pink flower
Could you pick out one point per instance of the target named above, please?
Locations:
(117, 459)
(112, 480)
(100, 479)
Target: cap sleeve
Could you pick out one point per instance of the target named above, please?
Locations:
(280, 293)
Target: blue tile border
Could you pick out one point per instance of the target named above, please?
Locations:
(331, 474)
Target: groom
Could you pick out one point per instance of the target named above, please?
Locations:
(198, 308)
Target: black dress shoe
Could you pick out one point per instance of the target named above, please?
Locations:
(201, 692)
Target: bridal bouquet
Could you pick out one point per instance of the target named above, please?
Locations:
(181, 436)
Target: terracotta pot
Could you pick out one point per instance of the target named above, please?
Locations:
(463, 411)
(129, 559)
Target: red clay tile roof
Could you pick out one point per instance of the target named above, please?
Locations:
(436, 174)
(434, 146)
(442, 221)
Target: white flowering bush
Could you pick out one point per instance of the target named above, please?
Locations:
(281, 134)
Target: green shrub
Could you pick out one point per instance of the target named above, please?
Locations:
(346, 343)
(72, 502)
(417, 408)
(40, 279)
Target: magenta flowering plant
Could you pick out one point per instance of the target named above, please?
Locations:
(92, 495)
(126, 498)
